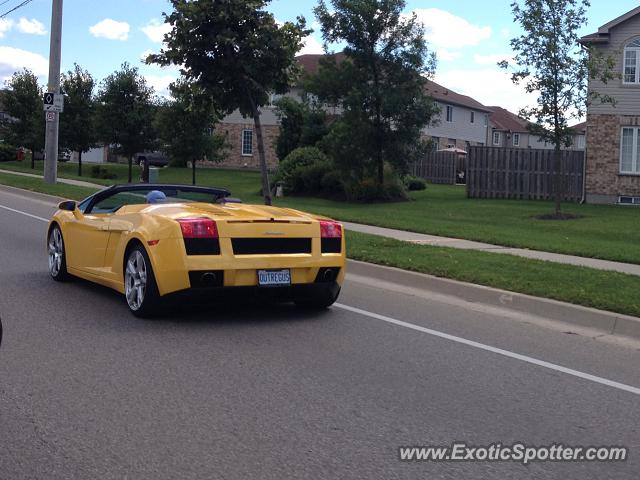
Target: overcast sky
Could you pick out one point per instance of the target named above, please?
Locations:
(469, 37)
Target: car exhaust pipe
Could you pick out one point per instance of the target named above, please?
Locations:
(328, 275)
(208, 279)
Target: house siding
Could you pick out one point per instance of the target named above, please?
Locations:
(461, 129)
(627, 96)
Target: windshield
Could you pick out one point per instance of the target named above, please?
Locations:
(110, 202)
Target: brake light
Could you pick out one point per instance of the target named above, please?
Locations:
(198, 228)
(330, 229)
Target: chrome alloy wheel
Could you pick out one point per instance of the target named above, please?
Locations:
(135, 280)
(56, 252)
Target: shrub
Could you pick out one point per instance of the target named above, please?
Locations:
(98, 172)
(368, 191)
(414, 183)
(332, 183)
(7, 152)
(303, 170)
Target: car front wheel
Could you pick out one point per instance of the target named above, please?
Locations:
(56, 254)
(141, 290)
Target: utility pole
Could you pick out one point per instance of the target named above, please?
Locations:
(53, 120)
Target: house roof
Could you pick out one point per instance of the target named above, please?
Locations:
(445, 95)
(602, 35)
(503, 119)
(580, 127)
(310, 64)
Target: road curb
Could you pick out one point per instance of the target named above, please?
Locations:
(608, 323)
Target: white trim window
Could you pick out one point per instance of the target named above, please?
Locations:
(516, 139)
(630, 151)
(473, 117)
(449, 114)
(631, 66)
(496, 138)
(247, 142)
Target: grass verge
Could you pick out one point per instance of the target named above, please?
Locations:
(37, 185)
(611, 291)
(606, 232)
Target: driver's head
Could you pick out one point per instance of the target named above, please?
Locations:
(155, 196)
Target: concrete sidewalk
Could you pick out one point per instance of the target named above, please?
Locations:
(424, 239)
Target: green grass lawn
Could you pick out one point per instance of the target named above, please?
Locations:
(606, 232)
(612, 291)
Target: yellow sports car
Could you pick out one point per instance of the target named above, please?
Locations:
(149, 241)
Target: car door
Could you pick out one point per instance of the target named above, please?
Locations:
(86, 242)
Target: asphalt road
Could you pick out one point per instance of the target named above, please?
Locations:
(242, 391)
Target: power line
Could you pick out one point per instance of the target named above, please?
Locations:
(5, 1)
(16, 8)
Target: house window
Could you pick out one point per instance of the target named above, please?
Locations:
(247, 142)
(435, 143)
(452, 143)
(473, 117)
(496, 138)
(631, 69)
(516, 139)
(449, 113)
(630, 151)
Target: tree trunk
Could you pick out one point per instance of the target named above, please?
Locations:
(33, 158)
(266, 188)
(80, 163)
(130, 167)
(193, 172)
(145, 170)
(557, 179)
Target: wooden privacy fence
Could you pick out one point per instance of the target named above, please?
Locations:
(437, 167)
(520, 173)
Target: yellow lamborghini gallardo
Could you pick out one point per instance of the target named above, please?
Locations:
(149, 241)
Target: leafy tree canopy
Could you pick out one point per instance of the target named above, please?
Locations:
(77, 123)
(125, 112)
(23, 103)
(301, 125)
(379, 84)
(236, 52)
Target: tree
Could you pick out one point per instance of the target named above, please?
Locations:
(237, 53)
(77, 128)
(185, 127)
(379, 84)
(23, 103)
(125, 113)
(301, 125)
(550, 62)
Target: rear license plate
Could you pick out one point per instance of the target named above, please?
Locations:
(274, 278)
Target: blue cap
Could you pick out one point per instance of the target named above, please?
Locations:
(155, 196)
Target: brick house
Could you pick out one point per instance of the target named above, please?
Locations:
(613, 131)
(463, 123)
(506, 129)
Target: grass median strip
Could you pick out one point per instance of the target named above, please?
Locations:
(611, 291)
(37, 185)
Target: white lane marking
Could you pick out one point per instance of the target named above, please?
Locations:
(488, 348)
(25, 213)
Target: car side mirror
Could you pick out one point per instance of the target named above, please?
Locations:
(68, 206)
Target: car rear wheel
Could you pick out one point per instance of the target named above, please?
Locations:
(57, 257)
(141, 290)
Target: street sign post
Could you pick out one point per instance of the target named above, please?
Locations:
(53, 102)
(51, 116)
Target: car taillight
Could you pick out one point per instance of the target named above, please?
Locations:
(330, 229)
(198, 228)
